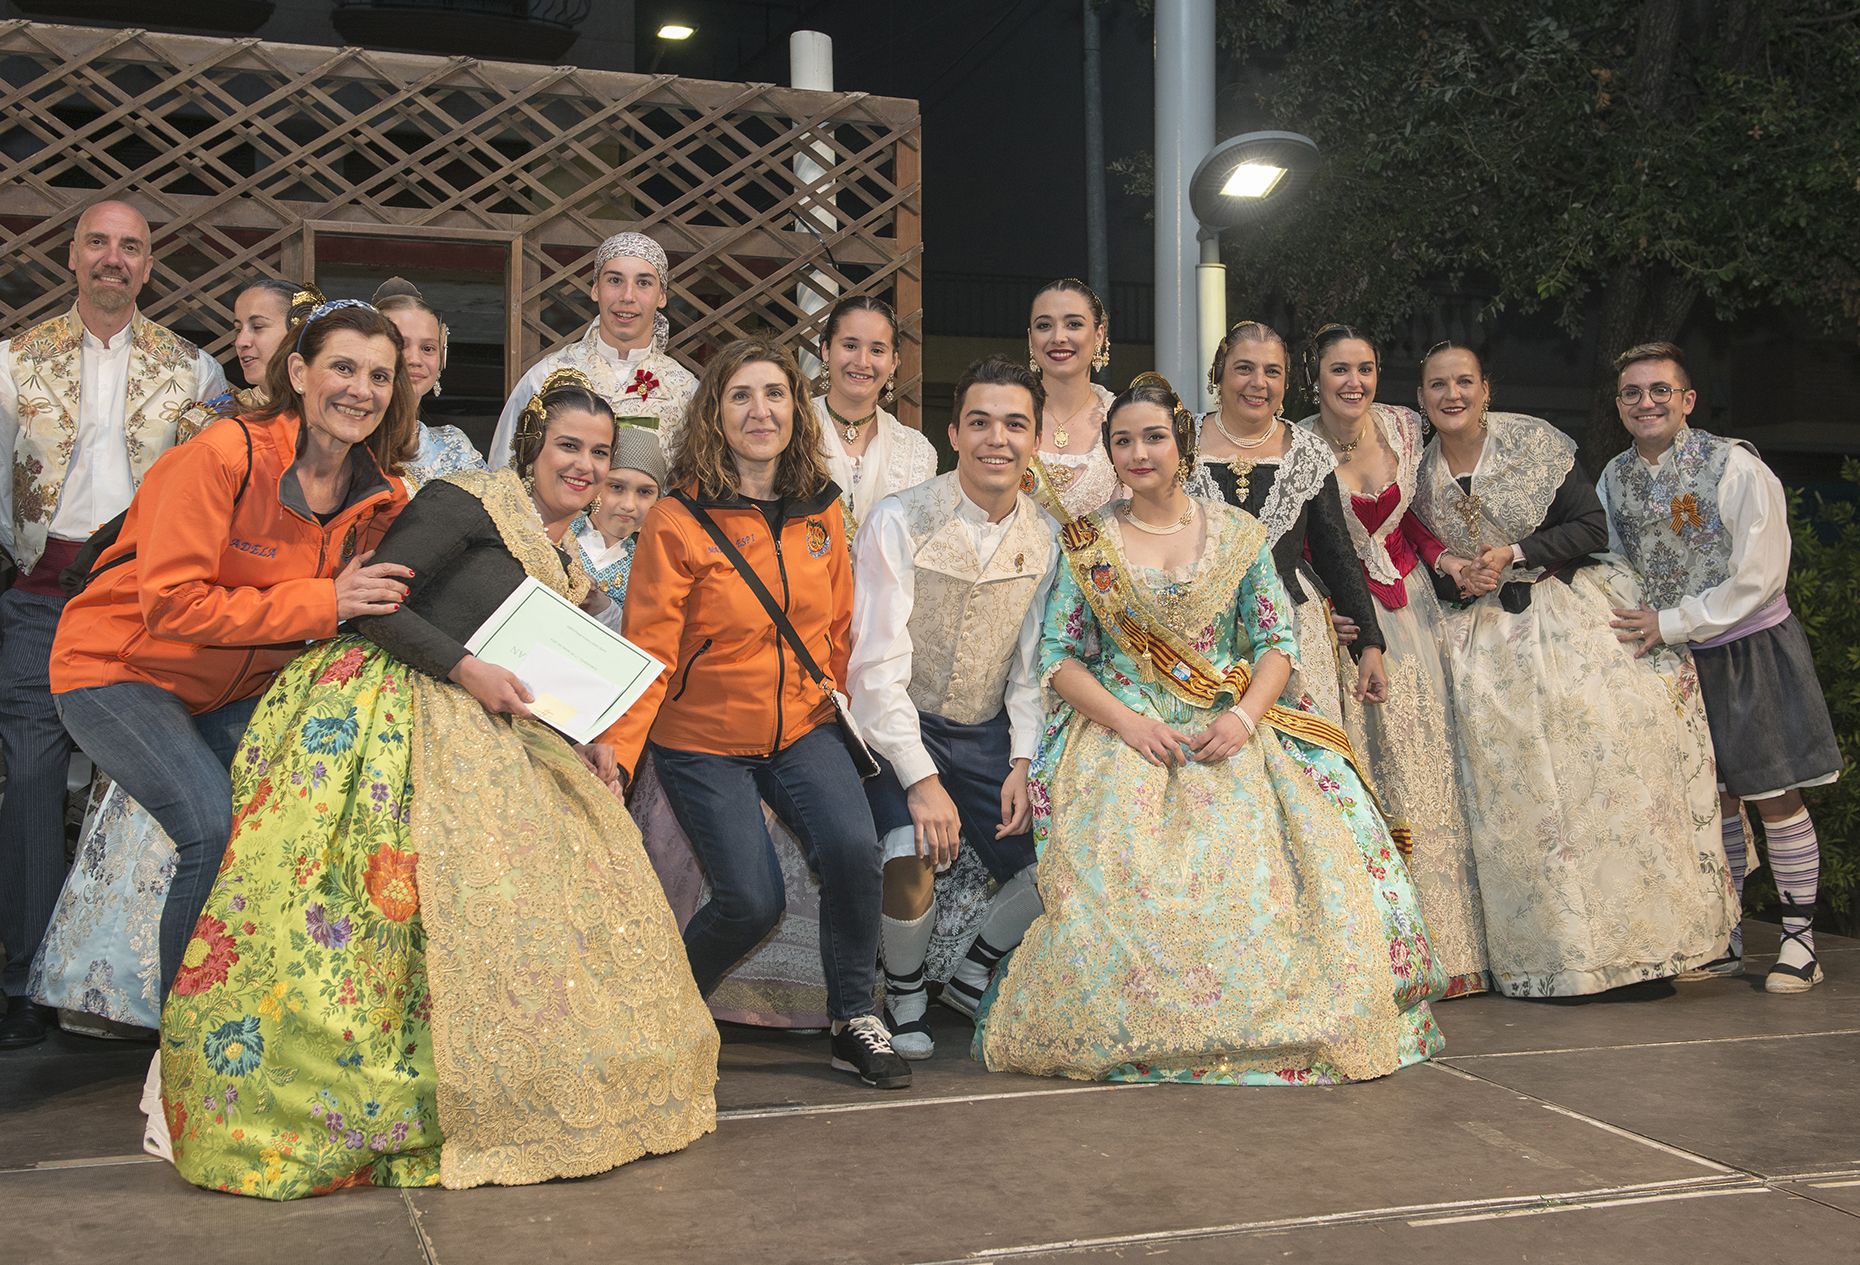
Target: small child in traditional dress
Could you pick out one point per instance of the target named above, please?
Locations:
(607, 532)
(1706, 524)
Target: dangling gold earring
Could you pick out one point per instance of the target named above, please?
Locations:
(1101, 360)
(1181, 472)
(436, 389)
(820, 383)
(594, 506)
(1034, 365)
(891, 388)
(529, 482)
(1483, 410)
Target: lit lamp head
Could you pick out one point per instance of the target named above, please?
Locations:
(1242, 179)
(676, 31)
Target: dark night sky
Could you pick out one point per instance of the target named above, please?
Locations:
(1001, 88)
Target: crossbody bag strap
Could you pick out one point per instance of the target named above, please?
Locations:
(756, 586)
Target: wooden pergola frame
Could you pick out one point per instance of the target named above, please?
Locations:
(243, 153)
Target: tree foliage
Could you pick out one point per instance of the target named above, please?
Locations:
(1612, 163)
(1824, 590)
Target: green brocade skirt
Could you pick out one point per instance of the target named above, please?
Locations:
(435, 953)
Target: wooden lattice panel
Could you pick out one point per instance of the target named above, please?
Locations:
(240, 151)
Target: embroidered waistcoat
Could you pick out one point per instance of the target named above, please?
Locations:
(966, 618)
(163, 381)
(1667, 518)
(655, 387)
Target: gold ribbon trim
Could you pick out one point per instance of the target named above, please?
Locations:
(1102, 576)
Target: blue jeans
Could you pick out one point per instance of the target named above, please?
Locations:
(175, 766)
(812, 787)
(37, 751)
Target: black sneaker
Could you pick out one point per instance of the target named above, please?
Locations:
(863, 1047)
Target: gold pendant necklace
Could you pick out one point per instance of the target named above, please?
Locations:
(1469, 509)
(1062, 436)
(1241, 468)
(849, 428)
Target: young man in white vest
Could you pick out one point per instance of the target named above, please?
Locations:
(949, 581)
(623, 351)
(88, 400)
(1706, 524)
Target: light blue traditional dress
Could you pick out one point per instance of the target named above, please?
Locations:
(607, 565)
(443, 450)
(100, 956)
(1244, 922)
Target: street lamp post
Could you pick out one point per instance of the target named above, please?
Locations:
(1184, 132)
(1241, 181)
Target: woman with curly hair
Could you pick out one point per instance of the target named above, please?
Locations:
(743, 584)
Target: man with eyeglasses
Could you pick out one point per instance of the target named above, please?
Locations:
(1706, 524)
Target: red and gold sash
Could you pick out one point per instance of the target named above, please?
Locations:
(1099, 567)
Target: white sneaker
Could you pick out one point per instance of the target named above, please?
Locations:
(155, 1139)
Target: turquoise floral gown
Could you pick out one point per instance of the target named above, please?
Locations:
(1245, 922)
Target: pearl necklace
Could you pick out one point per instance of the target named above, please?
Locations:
(1188, 516)
(1239, 466)
(849, 428)
(1245, 444)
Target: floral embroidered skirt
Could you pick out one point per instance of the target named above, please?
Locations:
(1592, 793)
(1247, 922)
(101, 954)
(435, 953)
(1409, 745)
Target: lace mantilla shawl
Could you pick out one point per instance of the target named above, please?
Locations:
(1401, 430)
(1300, 473)
(1524, 462)
(514, 515)
(1206, 593)
(897, 458)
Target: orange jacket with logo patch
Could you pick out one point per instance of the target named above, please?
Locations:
(735, 686)
(214, 598)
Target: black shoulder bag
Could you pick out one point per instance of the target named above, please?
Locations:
(863, 763)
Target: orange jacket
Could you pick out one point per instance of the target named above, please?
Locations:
(213, 600)
(735, 686)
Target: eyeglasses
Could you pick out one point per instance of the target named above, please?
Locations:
(1659, 393)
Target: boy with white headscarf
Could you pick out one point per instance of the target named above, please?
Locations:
(623, 351)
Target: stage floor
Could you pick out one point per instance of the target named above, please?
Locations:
(1703, 1121)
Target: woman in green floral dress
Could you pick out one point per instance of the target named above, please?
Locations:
(435, 951)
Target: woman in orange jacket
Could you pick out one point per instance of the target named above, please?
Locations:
(739, 719)
(240, 547)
